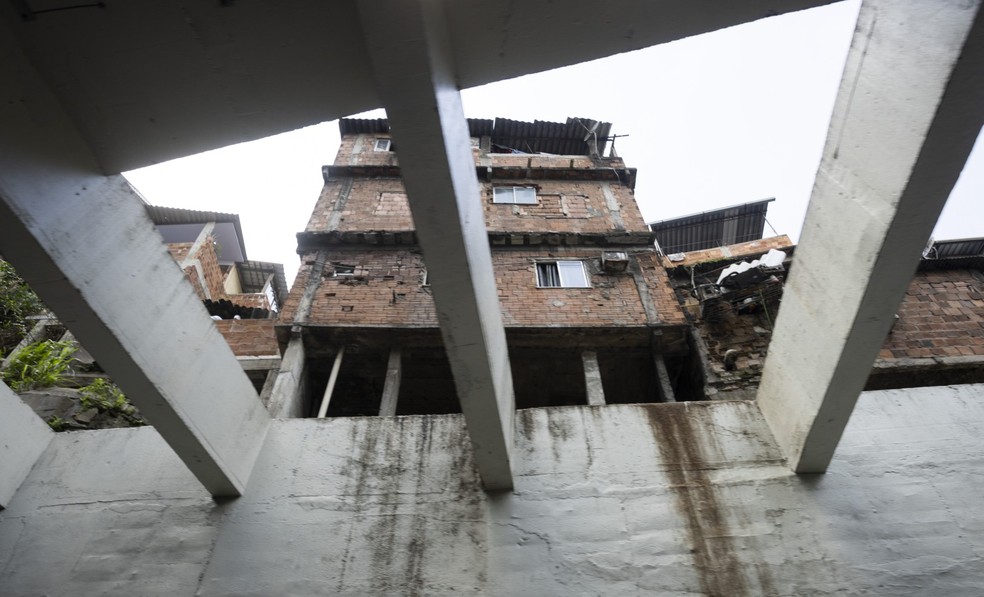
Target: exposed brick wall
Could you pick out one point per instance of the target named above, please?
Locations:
(562, 206)
(357, 150)
(179, 251)
(386, 290)
(249, 337)
(942, 314)
(365, 204)
(210, 267)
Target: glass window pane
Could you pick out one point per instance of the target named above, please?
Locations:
(502, 195)
(572, 274)
(525, 195)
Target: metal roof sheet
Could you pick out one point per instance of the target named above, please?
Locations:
(963, 253)
(539, 136)
(710, 229)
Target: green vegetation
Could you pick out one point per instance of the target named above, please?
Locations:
(17, 303)
(106, 397)
(57, 423)
(40, 365)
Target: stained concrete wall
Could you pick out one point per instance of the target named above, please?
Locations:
(687, 498)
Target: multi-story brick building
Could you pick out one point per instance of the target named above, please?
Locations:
(585, 302)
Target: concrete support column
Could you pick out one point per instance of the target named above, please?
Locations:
(23, 438)
(85, 244)
(910, 106)
(409, 50)
(592, 378)
(391, 385)
(666, 393)
(289, 395)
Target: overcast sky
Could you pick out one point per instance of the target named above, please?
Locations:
(730, 117)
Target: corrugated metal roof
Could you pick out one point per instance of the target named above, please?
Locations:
(963, 247)
(175, 215)
(559, 138)
(710, 229)
(363, 126)
(963, 253)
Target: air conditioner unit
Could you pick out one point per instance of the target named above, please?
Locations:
(614, 261)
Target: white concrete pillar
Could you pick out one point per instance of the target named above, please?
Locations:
(287, 399)
(409, 49)
(391, 385)
(666, 393)
(592, 378)
(23, 438)
(85, 244)
(910, 106)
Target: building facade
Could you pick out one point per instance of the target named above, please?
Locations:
(584, 299)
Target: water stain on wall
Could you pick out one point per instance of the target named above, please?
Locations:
(718, 567)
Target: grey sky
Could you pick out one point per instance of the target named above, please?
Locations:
(729, 117)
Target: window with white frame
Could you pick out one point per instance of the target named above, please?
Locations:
(514, 195)
(342, 269)
(561, 274)
(382, 145)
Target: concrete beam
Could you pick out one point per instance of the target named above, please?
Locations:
(592, 378)
(391, 385)
(23, 438)
(666, 393)
(410, 53)
(85, 244)
(908, 112)
(290, 388)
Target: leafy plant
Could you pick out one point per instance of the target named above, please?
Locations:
(56, 423)
(17, 303)
(40, 365)
(105, 396)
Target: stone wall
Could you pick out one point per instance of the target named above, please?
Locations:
(662, 499)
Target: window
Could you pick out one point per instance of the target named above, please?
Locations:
(514, 195)
(382, 145)
(561, 274)
(342, 269)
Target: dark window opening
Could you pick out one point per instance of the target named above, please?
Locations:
(628, 376)
(547, 377)
(343, 269)
(358, 388)
(426, 387)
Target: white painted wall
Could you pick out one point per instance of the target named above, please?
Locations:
(683, 498)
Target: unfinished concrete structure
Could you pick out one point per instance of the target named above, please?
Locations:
(632, 499)
(584, 300)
